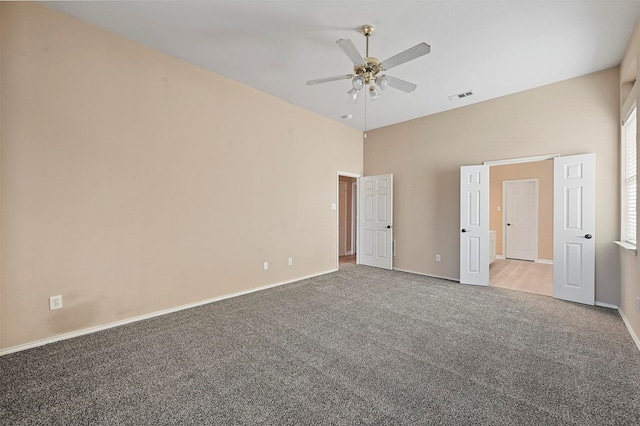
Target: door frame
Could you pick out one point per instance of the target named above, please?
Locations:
(342, 222)
(354, 217)
(518, 160)
(337, 213)
(504, 215)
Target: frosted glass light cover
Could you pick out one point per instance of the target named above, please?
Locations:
(353, 96)
(383, 82)
(357, 83)
(373, 93)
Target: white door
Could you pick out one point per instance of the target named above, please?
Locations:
(574, 228)
(521, 219)
(474, 225)
(375, 221)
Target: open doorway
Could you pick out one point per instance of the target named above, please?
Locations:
(347, 217)
(573, 240)
(521, 227)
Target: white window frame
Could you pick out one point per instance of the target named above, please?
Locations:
(629, 176)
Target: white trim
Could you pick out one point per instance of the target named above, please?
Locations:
(354, 215)
(521, 160)
(628, 247)
(623, 171)
(607, 305)
(426, 275)
(629, 104)
(90, 330)
(635, 338)
(344, 235)
(543, 261)
(348, 174)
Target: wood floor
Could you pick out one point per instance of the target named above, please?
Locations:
(522, 275)
(348, 259)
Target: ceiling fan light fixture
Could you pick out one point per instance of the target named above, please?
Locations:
(383, 82)
(366, 69)
(353, 96)
(373, 93)
(357, 82)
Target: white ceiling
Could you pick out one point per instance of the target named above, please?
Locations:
(494, 48)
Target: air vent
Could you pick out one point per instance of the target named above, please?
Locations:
(461, 95)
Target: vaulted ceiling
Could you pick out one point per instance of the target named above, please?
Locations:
(493, 48)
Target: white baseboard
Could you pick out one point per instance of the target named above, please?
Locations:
(635, 338)
(545, 261)
(607, 305)
(426, 275)
(90, 330)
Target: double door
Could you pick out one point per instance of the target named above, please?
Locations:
(573, 227)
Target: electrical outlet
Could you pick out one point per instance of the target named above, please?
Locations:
(55, 302)
(437, 258)
(266, 265)
(290, 261)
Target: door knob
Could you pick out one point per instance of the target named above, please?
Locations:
(508, 224)
(588, 236)
(388, 226)
(464, 230)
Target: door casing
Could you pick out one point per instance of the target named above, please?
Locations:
(353, 243)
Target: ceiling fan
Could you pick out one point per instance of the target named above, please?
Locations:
(366, 71)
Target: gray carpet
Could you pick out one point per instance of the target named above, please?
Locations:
(359, 346)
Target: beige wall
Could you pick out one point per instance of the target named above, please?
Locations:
(134, 182)
(629, 263)
(570, 117)
(541, 170)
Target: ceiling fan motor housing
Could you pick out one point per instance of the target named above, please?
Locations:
(369, 71)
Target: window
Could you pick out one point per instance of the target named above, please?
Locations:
(629, 180)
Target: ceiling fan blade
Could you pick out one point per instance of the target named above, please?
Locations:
(328, 79)
(350, 50)
(405, 86)
(406, 56)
